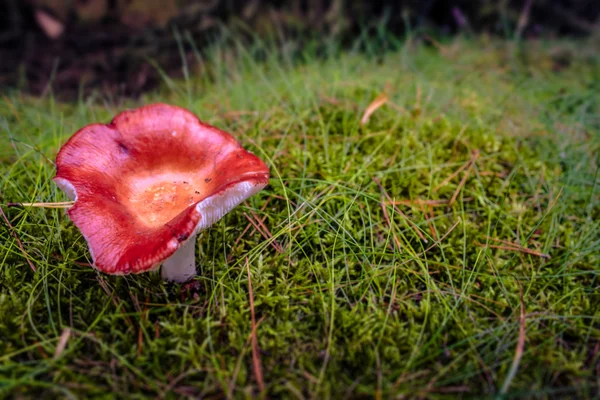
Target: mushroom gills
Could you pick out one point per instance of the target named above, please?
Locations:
(181, 266)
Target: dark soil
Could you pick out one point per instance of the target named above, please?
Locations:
(119, 56)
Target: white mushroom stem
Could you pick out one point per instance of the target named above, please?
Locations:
(181, 266)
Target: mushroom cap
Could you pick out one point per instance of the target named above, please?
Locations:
(149, 180)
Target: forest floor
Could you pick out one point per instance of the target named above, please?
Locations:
(431, 229)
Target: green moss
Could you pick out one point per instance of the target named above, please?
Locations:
(349, 297)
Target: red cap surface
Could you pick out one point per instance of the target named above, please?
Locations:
(137, 182)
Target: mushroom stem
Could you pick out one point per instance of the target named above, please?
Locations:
(181, 266)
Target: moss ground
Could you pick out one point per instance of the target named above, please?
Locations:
(448, 246)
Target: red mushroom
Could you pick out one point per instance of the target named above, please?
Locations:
(145, 184)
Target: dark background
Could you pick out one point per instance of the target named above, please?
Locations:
(114, 46)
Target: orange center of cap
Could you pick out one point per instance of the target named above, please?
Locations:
(158, 198)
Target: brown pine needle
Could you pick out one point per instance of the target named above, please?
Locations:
(471, 164)
(264, 234)
(428, 213)
(515, 248)
(58, 204)
(80, 263)
(441, 48)
(442, 238)
(140, 341)
(12, 231)
(551, 206)
(256, 365)
(506, 242)
(390, 201)
(460, 185)
(409, 377)
(429, 203)
(417, 108)
(39, 347)
(260, 222)
(448, 179)
(474, 157)
(229, 258)
(375, 104)
(62, 342)
(238, 365)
